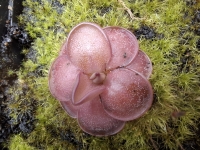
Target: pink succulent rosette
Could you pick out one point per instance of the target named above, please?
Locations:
(101, 78)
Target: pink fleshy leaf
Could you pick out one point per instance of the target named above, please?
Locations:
(128, 94)
(124, 46)
(62, 77)
(70, 109)
(88, 48)
(141, 64)
(100, 78)
(85, 90)
(63, 48)
(94, 120)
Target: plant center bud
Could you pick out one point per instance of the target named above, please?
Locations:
(98, 78)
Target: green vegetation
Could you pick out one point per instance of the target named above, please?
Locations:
(175, 113)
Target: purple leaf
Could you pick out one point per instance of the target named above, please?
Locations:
(128, 94)
(94, 120)
(62, 77)
(141, 64)
(88, 48)
(124, 46)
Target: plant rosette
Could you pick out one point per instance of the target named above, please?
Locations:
(101, 78)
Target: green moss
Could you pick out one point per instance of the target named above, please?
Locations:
(176, 84)
(18, 143)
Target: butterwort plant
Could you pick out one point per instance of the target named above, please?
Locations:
(101, 78)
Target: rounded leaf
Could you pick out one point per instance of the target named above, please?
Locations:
(62, 77)
(124, 46)
(94, 120)
(127, 96)
(141, 64)
(88, 47)
(70, 109)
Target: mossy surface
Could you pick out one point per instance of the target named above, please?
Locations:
(167, 32)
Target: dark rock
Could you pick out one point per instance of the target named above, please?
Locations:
(198, 44)
(69, 136)
(146, 32)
